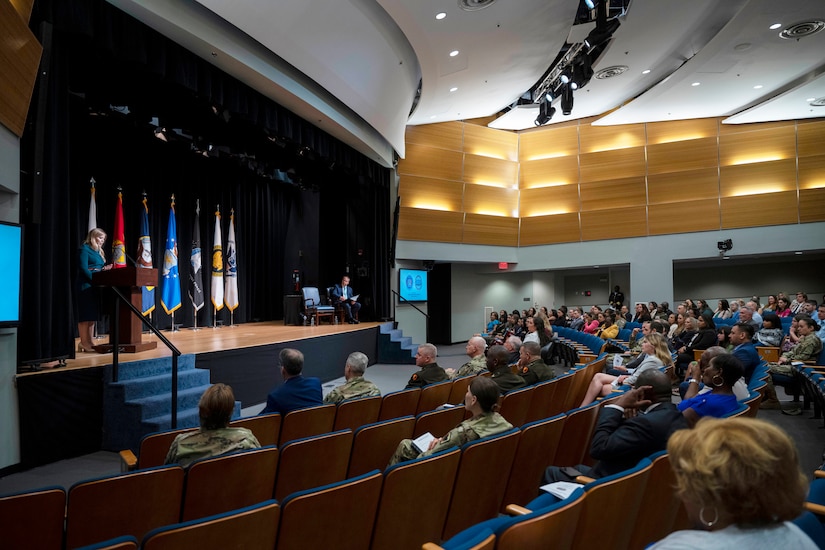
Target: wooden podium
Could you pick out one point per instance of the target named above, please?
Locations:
(129, 280)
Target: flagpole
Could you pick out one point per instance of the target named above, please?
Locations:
(195, 310)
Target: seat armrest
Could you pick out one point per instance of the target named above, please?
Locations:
(584, 480)
(128, 461)
(516, 510)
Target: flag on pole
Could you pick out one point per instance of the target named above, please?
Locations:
(170, 295)
(217, 265)
(118, 244)
(231, 297)
(196, 273)
(92, 208)
(144, 257)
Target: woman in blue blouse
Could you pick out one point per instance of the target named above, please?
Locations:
(91, 259)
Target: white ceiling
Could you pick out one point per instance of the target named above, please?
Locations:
(352, 67)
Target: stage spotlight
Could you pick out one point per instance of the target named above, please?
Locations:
(589, 3)
(566, 99)
(546, 112)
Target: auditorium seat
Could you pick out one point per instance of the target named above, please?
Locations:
(312, 462)
(563, 384)
(307, 422)
(556, 523)
(153, 450)
(245, 478)
(752, 402)
(354, 413)
(251, 527)
(374, 444)
(438, 423)
(459, 389)
(33, 519)
(575, 439)
(515, 405)
(542, 401)
(340, 515)
(536, 450)
(125, 504)
(125, 542)
(477, 540)
(480, 460)
(265, 427)
(421, 487)
(399, 403)
(433, 395)
(661, 504)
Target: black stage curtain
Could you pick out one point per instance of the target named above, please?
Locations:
(102, 60)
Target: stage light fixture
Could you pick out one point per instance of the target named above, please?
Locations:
(546, 112)
(566, 99)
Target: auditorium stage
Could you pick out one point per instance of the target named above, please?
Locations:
(61, 409)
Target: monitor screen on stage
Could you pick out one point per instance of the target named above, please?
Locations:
(11, 242)
(412, 285)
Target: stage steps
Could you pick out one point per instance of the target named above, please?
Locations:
(394, 347)
(140, 401)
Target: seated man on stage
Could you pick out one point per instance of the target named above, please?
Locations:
(215, 437)
(343, 296)
(296, 392)
(355, 386)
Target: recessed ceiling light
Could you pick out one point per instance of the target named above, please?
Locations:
(440, 15)
(798, 252)
(433, 116)
(775, 26)
(453, 53)
(757, 87)
(646, 71)
(695, 83)
(453, 89)
(809, 99)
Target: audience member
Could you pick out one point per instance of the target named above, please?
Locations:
(722, 310)
(561, 317)
(430, 372)
(356, 386)
(741, 336)
(498, 363)
(678, 327)
(642, 314)
(809, 307)
(704, 338)
(770, 307)
(477, 363)
(512, 345)
(576, 319)
(756, 319)
(792, 338)
(536, 331)
(798, 303)
(481, 400)
(771, 333)
(494, 322)
(625, 312)
(657, 356)
(531, 366)
(703, 308)
(590, 325)
(783, 308)
(609, 329)
(723, 337)
(721, 374)
(214, 437)
(820, 314)
(696, 368)
(297, 392)
(635, 426)
(739, 478)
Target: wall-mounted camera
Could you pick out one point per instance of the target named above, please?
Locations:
(724, 246)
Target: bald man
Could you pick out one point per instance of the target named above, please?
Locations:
(498, 362)
(477, 363)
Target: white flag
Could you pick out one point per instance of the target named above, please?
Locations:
(217, 265)
(231, 298)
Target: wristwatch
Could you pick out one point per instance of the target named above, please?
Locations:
(693, 380)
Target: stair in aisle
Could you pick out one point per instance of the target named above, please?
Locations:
(394, 347)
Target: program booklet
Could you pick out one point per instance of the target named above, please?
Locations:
(561, 489)
(422, 442)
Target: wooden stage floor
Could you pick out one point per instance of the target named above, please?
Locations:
(208, 339)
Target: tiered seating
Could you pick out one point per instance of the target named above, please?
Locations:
(34, 519)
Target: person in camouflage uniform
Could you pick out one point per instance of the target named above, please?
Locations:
(481, 400)
(355, 386)
(214, 436)
(477, 363)
(531, 366)
(808, 347)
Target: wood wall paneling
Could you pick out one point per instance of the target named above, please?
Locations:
(552, 171)
(606, 165)
(549, 143)
(680, 156)
(681, 130)
(490, 201)
(762, 177)
(431, 162)
(683, 217)
(490, 230)
(773, 143)
(429, 193)
(446, 135)
(489, 142)
(731, 129)
(546, 201)
(809, 138)
(812, 170)
(24, 8)
(490, 171)
(561, 228)
(609, 194)
(683, 186)
(614, 224)
(415, 224)
(812, 205)
(756, 210)
(608, 138)
(19, 60)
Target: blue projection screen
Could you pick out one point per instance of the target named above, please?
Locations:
(412, 285)
(11, 241)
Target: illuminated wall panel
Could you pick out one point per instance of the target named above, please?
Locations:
(812, 205)
(430, 162)
(812, 171)
(757, 146)
(561, 228)
(619, 193)
(431, 194)
(753, 179)
(492, 230)
(809, 138)
(614, 224)
(606, 165)
(756, 210)
(548, 201)
(487, 142)
(490, 201)
(416, 224)
(546, 143)
(683, 186)
(447, 135)
(681, 130)
(683, 217)
(549, 172)
(490, 171)
(681, 156)
(593, 139)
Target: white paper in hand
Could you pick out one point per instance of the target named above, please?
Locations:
(561, 489)
(422, 442)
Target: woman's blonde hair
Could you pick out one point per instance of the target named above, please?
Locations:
(747, 469)
(90, 240)
(660, 348)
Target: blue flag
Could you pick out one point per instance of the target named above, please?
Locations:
(144, 258)
(170, 296)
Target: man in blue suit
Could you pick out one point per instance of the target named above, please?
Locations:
(342, 296)
(296, 392)
(741, 335)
